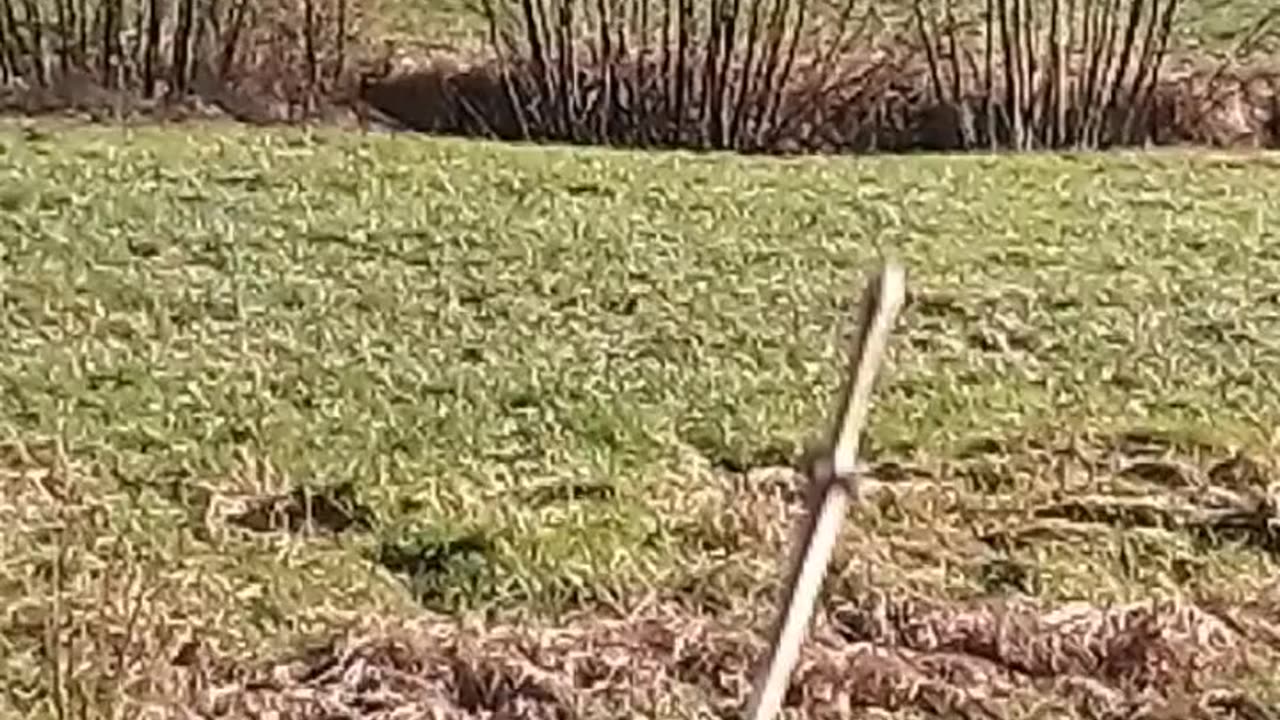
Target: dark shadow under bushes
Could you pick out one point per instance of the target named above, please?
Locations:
(782, 76)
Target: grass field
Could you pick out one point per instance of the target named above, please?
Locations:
(529, 381)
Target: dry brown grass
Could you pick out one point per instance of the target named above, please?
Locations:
(123, 631)
(996, 659)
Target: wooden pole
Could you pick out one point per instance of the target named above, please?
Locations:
(830, 488)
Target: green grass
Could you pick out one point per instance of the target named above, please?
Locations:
(511, 354)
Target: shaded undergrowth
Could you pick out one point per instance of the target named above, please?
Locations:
(261, 62)
(760, 76)
(810, 76)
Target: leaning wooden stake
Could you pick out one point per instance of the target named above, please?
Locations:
(830, 489)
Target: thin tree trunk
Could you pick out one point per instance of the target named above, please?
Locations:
(83, 33)
(231, 41)
(151, 53)
(36, 49)
(340, 42)
(309, 41)
(179, 84)
(107, 60)
(64, 38)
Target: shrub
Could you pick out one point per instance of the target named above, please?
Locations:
(723, 74)
(245, 52)
(810, 76)
(1084, 73)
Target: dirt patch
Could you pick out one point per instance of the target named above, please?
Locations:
(985, 660)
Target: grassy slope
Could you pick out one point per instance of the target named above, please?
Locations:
(472, 335)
